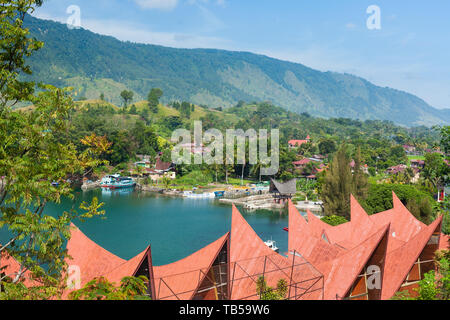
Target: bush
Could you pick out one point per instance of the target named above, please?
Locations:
(334, 220)
(195, 178)
(380, 199)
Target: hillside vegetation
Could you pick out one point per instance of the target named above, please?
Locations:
(95, 64)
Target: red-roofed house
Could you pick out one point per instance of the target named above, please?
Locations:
(293, 144)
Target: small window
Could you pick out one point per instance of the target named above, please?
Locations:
(434, 239)
(324, 237)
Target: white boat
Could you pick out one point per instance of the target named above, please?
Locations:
(191, 195)
(272, 245)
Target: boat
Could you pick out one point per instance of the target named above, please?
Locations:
(286, 229)
(191, 195)
(117, 182)
(219, 194)
(272, 245)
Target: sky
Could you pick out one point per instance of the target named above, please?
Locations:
(407, 50)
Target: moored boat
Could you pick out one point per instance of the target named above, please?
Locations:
(117, 182)
(272, 245)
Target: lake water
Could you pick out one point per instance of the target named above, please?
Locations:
(174, 227)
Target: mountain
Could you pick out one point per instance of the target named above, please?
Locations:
(94, 64)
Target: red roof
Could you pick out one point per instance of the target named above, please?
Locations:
(128, 268)
(342, 272)
(392, 240)
(92, 259)
(180, 280)
(251, 258)
(315, 249)
(340, 252)
(162, 166)
(403, 224)
(400, 261)
(297, 143)
(301, 162)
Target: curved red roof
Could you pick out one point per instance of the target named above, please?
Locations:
(93, 260)
(180, 279)
(400, 261)
(404, 225)
(341, 273)
(252, 258)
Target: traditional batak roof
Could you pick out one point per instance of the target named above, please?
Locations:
(341, 252)
(400, 261)
(179, 280)
(129, 268)
(252, 258)
(287, 188)
(340, 273)
(92, 260)
(323, 262)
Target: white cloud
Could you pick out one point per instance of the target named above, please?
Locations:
(157, 4)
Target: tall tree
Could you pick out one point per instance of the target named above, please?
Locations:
(127, 97)
(360, 184)
(153, 99)
(337, 185)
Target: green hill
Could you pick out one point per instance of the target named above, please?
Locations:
(95, 64)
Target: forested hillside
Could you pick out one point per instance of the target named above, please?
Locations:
(95, 64)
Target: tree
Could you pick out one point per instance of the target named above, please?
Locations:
(360, 183)
(130, 288)
(153, 99)
(102, 96)
(267, 293)
(445, 139)
(127, 97)
(337, 185)
(31, 157)
(327, 146)
(185, 109)
(434, 172)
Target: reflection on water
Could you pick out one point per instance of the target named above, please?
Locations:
(107, 192)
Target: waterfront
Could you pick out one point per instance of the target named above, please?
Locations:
(175, 227)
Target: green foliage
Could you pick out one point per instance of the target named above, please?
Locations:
(130, 288)
(339, 183)
(127, 96)
(31, 157)
(334, 220)
(380, 199)
(153, 99)
(195, 178)
(267, 293)
(434, 285)
(93, 63)
(327, 146)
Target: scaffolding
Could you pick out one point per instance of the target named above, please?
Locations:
(239, 280)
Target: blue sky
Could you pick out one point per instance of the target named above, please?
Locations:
(410, 52)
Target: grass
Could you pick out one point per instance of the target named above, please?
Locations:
(416, 157)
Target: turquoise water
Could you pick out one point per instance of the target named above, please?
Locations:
(174, 227)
